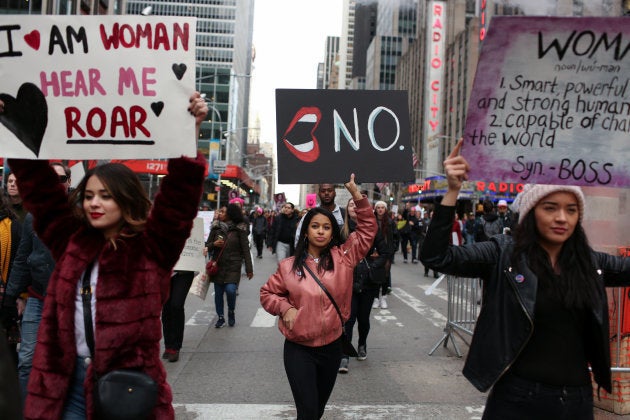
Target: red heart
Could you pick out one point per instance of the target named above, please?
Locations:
(32, 39)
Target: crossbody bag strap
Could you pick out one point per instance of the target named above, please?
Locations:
(224, 246)
(325, 291)
(86, 296)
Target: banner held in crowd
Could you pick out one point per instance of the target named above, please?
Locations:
(81, 87)
(550, 102)
(324, 135)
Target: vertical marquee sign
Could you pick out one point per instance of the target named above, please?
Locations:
(434, 74)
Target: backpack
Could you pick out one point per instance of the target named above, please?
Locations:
(484, 229)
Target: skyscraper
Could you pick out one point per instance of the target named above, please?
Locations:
(223, 63)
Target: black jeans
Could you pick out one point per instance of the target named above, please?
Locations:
(173, 316)
(360, 312)
(312, 372)
(259, 240)
(514, 398)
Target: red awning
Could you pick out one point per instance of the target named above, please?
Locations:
(236, 172)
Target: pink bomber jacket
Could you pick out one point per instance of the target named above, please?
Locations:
(317, 322)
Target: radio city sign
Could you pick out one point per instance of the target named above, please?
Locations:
(480, 186)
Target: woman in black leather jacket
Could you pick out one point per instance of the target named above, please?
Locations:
(544, 317)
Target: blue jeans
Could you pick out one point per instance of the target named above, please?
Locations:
(74, 408)
(230, 290)
(30, 323)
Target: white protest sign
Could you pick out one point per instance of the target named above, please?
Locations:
(551, 102)
(96, 87)
(191, 258)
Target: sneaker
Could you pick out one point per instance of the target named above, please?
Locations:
(343, 366)
(362, 353)
(405, 261)
(376, 303)
(173, 356)
(231, 318)
(414, 261)
(220, 323)
(383, 303)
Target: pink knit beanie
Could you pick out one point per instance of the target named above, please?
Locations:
(533, 193)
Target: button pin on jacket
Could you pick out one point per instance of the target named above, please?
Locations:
(519, 278)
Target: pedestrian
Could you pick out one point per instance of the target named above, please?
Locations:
(174, 315)
(230, 248)
(387, 227)
(14, 197)
(30, 274)
(415, 233)
(327, 195)
(307, 317)
(469, 229)
(544, 317)
(10, 234)
(282, 236)
(489, 224)
(259, 229)
(368, 277)
(110, 235)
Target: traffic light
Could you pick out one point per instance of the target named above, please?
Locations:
(251, 191)
(391, 198)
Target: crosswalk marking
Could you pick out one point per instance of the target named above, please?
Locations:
(263, 319)
(201, 317)
(441, 293)
(337, 411)
(417, 305)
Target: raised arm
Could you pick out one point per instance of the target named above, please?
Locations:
(176, 204)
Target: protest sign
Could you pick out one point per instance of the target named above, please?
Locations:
(324, 135)
(191, 258)
(550, 102)
(81, 87)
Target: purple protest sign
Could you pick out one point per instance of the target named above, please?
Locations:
(550, 102)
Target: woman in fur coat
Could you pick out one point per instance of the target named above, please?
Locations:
(109, 223)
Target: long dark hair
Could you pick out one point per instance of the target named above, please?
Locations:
(126, 190)
(576, 285)
(234, 213)
(301, 250)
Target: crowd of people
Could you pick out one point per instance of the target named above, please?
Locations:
(58, 244)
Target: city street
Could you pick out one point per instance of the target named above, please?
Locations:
(238, 373)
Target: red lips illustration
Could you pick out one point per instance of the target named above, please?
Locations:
(299, 137)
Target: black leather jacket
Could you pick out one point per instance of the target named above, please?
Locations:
(505, 323)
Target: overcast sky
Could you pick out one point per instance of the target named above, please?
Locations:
(290, 39)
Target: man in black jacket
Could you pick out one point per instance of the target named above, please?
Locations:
(282, 235)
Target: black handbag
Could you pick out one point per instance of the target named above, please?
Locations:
(122, 394)
(346, 346)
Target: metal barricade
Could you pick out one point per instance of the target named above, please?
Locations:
(464, 296)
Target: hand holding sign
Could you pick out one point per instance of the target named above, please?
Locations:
(353, 189)
(456, 169)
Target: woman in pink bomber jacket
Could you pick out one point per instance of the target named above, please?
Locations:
(308, 319)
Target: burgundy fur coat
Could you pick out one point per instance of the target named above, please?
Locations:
(133, 284)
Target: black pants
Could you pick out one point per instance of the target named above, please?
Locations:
(514, 398)
(173, 317)
(312, 372)
(259, 240)
(360, 312)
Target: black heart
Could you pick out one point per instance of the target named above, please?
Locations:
(179, 70)
(26, 116)
(157, 108)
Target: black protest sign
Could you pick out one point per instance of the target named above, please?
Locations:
(324, 135)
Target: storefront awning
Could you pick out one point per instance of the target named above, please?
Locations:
(236, 172)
